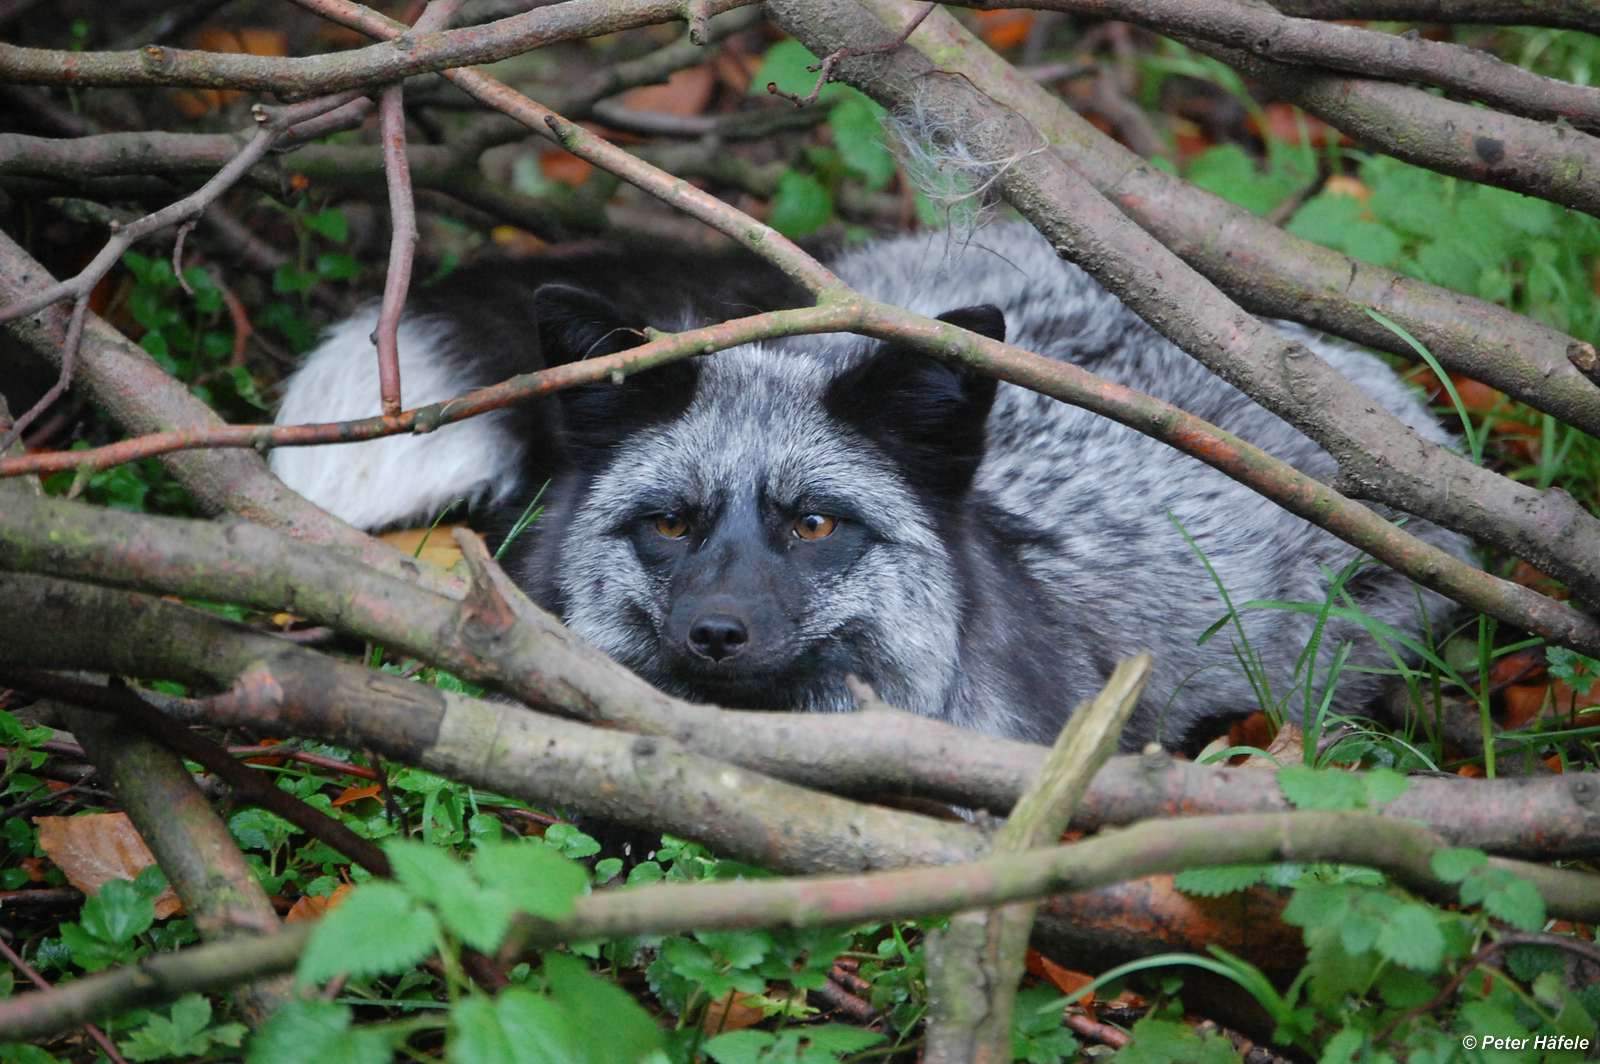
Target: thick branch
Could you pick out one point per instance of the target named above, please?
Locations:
(1573, 14)
(189, 841)
(1552, 162)
(417, 53)
(1268, 35)
(878, 751)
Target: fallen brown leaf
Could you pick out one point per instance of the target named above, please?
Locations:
(93, 849)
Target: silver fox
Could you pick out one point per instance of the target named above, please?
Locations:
(750, 528)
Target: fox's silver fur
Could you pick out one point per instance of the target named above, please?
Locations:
(999, 608)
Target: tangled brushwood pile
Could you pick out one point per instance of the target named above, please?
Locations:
(638, 299)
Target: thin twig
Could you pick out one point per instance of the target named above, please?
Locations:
(402, 246)
(69, 358)
(824, 69)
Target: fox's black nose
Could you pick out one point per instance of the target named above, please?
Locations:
(718, 636)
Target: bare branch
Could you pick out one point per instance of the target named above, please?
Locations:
(1573, 14)
(402, 246)
(878, 749)
(420, 53)
(1536, 158)
(670, 348)
(1262, 32)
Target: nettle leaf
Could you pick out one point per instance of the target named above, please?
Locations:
(118, 912)
(857, 126)
(518, 1027)
(1322, 789)
(1517, 902)
(616, 1027)
(839, 1038)
(801, 206)
(429, 873)
(1317, 904)
(1408, 198)
(183, 1035)
(1410, 937)
(380, 929)
(747, 1046)
(1223, 879)
(535, 878)
(1383, 785)
(1456, 863)
(1231, 173)
(1158, 1041)
(316, 1030)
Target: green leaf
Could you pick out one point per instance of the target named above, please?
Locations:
(1518, 903)
(1157, 1041)
(379, 929)
(330, 224)
(288, 279)
(304, 1031)
(857, 127)
(1372, 243)
(1410, 937)
(1319, 789)
(1220, 880)
(1409, 199)
(838, 1038)
(1456, 863)
(1317, 904)
(801, 206)
(617, 1027)
(535, 878)
(748, 1046)
(518, 1027)
(429, 873)
(337, 266)
(184, 1034)
(1383, 785)
(1229, 172)
(118, 912)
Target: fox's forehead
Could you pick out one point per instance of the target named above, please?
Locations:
(757, 428)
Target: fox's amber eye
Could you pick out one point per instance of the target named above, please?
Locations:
(672, 525)
(815, 526)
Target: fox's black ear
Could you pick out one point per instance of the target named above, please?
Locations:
(929, 416)
(577, 324)
(985, 319)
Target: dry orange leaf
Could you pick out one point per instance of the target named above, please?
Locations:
(355, 794)
(1004, 29)
(731, 1013)
(309, 908)
(686, 92)
(1063, 979)
(437, 545)
(96, 848)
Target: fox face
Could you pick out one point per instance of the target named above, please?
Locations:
(743, 529)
